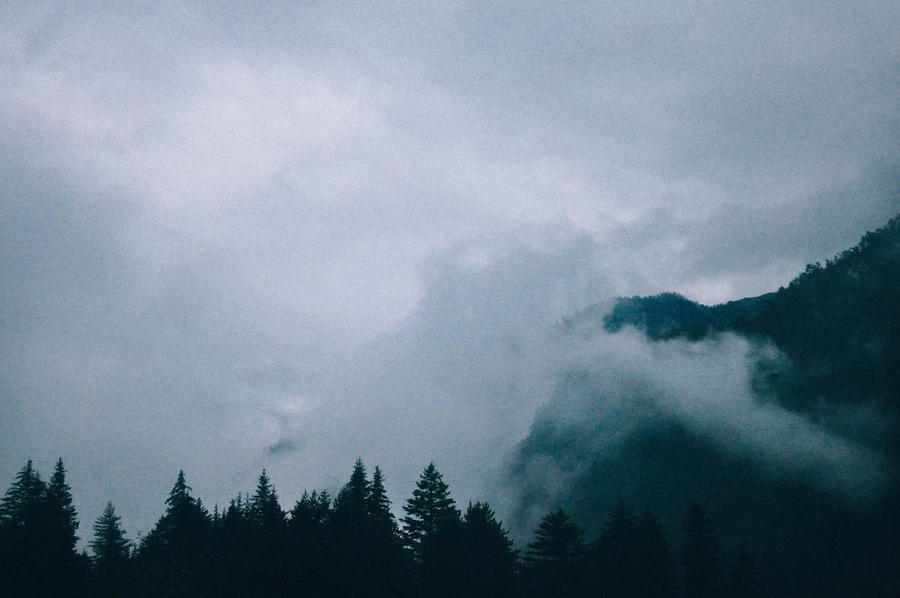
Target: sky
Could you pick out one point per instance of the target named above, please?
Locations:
(288, 235)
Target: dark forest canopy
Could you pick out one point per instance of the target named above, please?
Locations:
(351, 545)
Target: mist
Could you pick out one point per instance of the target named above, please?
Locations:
(285, 238)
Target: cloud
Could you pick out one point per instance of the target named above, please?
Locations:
(616, 390)
(211, 216)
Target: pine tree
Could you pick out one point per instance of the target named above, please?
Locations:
(311, 545)
(488, 558)
(60, 523)
(172, 556)
(352, 504)
(618, 559)
(378, 503)
(111, 555)
(109, 544)
(555, 558)
(743, 582)
(429, 508)
(21, 502)
(265, 552)
(59, 499)
(700, 556)
(655, 578)
(433, 531)
(265, 511)
(22, 542)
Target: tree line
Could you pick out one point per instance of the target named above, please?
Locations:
(348, 545)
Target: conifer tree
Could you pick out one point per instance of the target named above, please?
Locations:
(265, 553)
(388, 560)
(618, 558)
(655, 578)
(172, 556)
(488, 558)
(743, 582)
(111, 555)
(59, 503)
(21, 538)
(700, 556)
(555, 558)
(378, 503)
(264, 509)
(352, 504)
(311, 545)
(429, 508)
(21, 502)
(433, 532)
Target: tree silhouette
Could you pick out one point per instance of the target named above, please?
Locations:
(61, 522)
(655, 565)
(488, 558)
(618, 553)
(384, 542)
(311, 545)
(21, 541)
(171, 556)
(555, 558)
(429, 508)
(265, 551)
(742, 582)
(433, 531)
(700, 556)
(111, 555)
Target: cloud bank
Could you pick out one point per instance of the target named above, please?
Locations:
(231, 237)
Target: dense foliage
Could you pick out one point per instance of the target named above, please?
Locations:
(349, 546)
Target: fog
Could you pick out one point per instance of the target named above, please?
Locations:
(233, 239)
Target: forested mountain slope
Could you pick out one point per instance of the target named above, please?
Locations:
(822, 360)
(838, 325)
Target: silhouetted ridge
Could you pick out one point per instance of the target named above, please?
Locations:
(839, 324)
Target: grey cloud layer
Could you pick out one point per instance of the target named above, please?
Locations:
(208, 218)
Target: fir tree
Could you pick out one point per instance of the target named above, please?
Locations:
(21, 502)
(111, 555)
(555, 558)
(172, 556)
(429, 508)
(311, 545)
(618, 558)
(264, 510)
(700, 556)
(433, 531)
(655, 578)
(488, 558)
(743, 582)
(22, 543)
(59, 502)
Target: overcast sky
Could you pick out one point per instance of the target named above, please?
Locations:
(293, 236)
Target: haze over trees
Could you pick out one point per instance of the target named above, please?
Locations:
(711, 523)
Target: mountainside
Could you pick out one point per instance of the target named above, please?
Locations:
(838, 325)
(821, 358)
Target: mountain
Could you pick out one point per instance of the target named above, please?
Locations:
(825, 356)
(838, 325)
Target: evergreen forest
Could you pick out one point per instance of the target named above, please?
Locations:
(350, 544)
